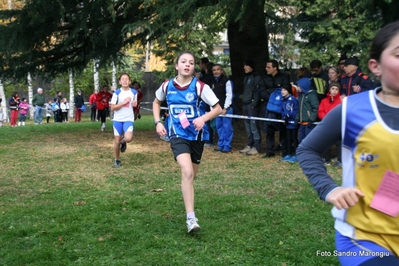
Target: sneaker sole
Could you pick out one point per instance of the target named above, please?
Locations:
(195, 229)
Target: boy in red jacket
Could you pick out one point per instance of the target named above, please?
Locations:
(326, 105)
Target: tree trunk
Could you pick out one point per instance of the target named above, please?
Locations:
(71, 94)
(248, 40)
(4, 101)
(30, 95)
(96, 76)
(114, 84)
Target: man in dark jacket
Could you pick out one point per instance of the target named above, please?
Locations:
(354, 81)
(272, 80)
(319, 78)
(250, 107)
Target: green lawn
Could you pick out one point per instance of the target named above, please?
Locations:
(62, 203)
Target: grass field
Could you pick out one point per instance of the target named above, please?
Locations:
(62, 203)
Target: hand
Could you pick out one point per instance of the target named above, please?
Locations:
(286, 119)
(224, 111)
(356, 88)
(343, 198)
(126, 100)
(161, 131)
(199, 123)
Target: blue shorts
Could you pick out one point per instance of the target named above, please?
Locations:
(120, 127)
(355, 252)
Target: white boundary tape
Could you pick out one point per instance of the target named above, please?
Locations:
(233, 116)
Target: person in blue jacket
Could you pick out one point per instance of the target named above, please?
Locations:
(289, 110)
(354, 80)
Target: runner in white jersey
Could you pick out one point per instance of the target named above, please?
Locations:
(122, 103)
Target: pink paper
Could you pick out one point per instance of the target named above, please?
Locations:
(183, 119)
(127, 105)
(386, 199)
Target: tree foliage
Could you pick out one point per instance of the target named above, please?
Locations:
(334, 28)
(48, 37)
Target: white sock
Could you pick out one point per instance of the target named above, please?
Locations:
(191, 215)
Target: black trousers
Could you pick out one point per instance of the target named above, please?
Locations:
(292, 141)
(271, 142)
(103, 115)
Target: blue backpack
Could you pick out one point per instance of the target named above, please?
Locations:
(83, 108)
(275, 101)
(55, 107)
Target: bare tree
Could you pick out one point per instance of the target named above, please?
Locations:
(30, 94)
(71, 93)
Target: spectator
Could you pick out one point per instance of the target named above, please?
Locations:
(341, 61)
(223, 90)
(64, 110)
(289, 110)
(23, 111)
(49, 110)
(13, 103)
(59, 100)
(334, 75)
(79, 102)
(55, 107)
(202, 64)
(93, 105)
(319, 78)
(308, 107)
(38, 102)
(274, 79)
(326, 105)
(250, 107)
(354, 81)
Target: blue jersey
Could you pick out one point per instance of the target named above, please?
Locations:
(188, 101)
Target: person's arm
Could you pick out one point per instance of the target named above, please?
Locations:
(314, 106)
(209, 98)
(134, 103)
(229, 95)
(116, 106)
(309, 152)
(34, 100)
(156, 109)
